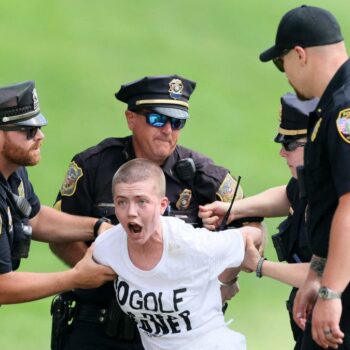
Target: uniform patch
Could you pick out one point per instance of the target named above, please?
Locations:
(227, 189)
(69, 185)
(184, 199)
(343, 124)
(315, 130)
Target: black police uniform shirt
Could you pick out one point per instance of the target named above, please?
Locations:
(87, 189)
(19, 184)
(293, 229)
(327, 154)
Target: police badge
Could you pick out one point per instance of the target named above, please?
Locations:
(69, 185)
(175, 88)
(343, 124)
(184, 199)
(35, 99)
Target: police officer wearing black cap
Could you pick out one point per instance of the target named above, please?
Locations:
(310, 49)
(158, 108)
(291, 241)
(21, 215)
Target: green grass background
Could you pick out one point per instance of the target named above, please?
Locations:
(80, 52)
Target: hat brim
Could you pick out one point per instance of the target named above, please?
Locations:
(37, 120)
(171, 112)
(270, 54)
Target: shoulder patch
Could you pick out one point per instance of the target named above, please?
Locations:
(315, 130)
(343, 124)
(227, 189)
(69, 185)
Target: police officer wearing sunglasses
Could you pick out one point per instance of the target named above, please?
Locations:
(291, 241)
(22, 217)
(310, 49)
(157, 111)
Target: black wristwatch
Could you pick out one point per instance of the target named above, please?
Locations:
(98, 224)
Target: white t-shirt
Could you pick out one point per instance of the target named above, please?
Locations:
(178, 302)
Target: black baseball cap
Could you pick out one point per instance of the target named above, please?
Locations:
(294, 117)
(164, 94)
(304, 26)
(19, 105)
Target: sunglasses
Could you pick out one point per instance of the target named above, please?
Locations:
(159, 120)
(292, 146)
(279, 60)
(30, 131)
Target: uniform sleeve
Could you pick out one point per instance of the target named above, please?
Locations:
(214, 182)
(5, 251)
(338, 143)
(74, 196)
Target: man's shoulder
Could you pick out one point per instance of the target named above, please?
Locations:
(111, 144)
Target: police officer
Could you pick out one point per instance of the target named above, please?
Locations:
(310, 49)
(157, 111)
(21, 215)
(291, 241)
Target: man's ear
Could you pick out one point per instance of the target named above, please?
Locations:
(164, 204)
(302, 54)
(130, 118)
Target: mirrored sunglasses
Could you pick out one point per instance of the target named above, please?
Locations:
(292, 146)
(159, 120)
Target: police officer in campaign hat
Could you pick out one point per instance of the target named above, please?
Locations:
(310, 49)
(291, 241)
(21, 215)
(157, 110)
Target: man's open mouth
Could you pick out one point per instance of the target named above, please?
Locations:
(135, 228)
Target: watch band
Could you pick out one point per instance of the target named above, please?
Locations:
(328, 294)
(258, 270)
(98, 224)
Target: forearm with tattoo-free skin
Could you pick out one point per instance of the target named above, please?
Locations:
(270, 203)
(18, 287)
(51, 225)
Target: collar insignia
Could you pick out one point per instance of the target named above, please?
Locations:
(315, 130)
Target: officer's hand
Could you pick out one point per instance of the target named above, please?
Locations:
(251, 257)
(212, 214)
(228, 292)
(89, 274)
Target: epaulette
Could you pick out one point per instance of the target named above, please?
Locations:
(111, 142)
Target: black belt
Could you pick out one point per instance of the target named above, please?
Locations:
(92, 313)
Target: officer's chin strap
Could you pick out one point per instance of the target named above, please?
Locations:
(225, 218)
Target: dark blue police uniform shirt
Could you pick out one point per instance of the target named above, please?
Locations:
(327, 155)
(19, 184)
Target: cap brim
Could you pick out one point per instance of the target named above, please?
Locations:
(38, 120)
(171, 112)
(270, 54)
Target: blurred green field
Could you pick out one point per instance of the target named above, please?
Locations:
(80, 52)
